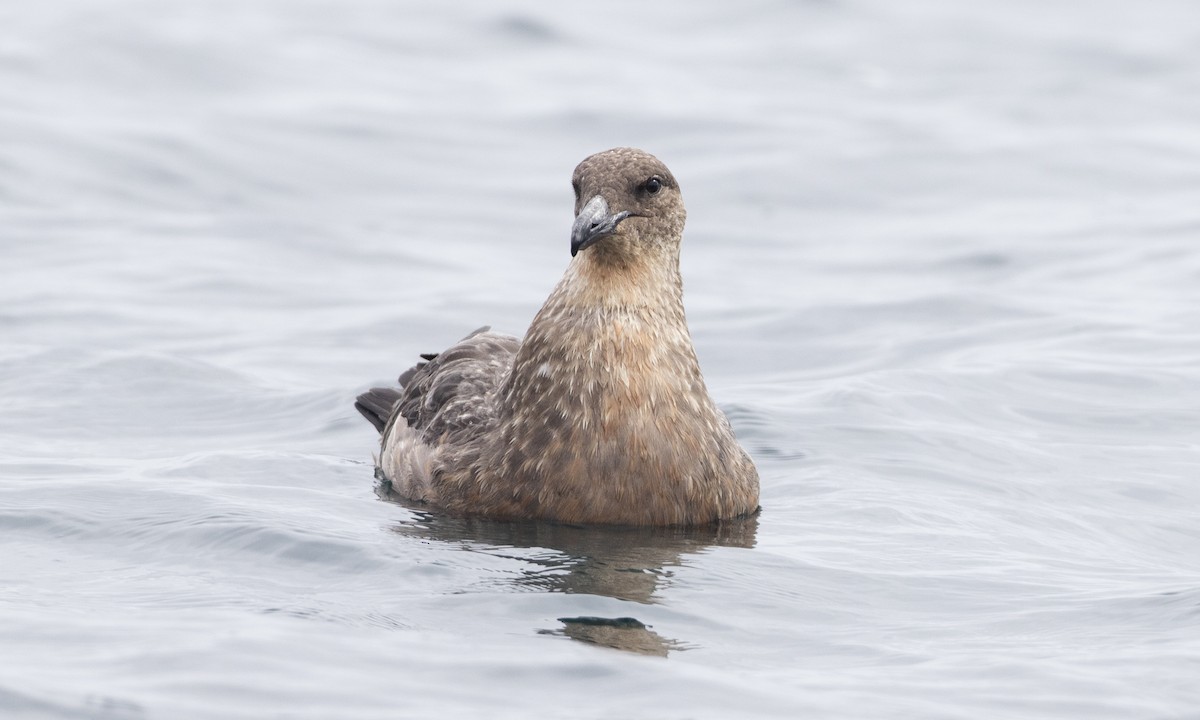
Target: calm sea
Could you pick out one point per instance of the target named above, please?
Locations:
(942, 269)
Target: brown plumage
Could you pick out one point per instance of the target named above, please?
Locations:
(601, 415)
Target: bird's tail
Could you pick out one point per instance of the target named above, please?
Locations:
(377, 406)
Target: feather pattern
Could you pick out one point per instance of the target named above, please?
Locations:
(601, 414)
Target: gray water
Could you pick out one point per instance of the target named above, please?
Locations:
(942, 270)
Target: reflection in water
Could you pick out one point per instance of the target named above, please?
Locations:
(623, 633)
(626, 563)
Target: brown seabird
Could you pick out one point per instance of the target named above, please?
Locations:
(600, 415)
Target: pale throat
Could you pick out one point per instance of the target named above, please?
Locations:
(617, 325)
(624, 277)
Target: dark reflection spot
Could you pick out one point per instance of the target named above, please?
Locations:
(621, 633)
(621, 622)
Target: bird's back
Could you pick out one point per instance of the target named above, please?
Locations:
(446, 401)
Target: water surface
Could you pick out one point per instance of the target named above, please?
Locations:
(942, 269)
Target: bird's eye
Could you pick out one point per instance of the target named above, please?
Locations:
(652, 186)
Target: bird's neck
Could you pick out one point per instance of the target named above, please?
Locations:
(615, 279)
(611, 326)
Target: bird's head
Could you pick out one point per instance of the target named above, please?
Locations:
(626, 203)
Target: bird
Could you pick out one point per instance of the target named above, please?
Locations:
(600, 415)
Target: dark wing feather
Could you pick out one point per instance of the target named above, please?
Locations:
(450, 392)
(376, 405)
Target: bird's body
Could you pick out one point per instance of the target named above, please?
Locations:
(600, 415)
